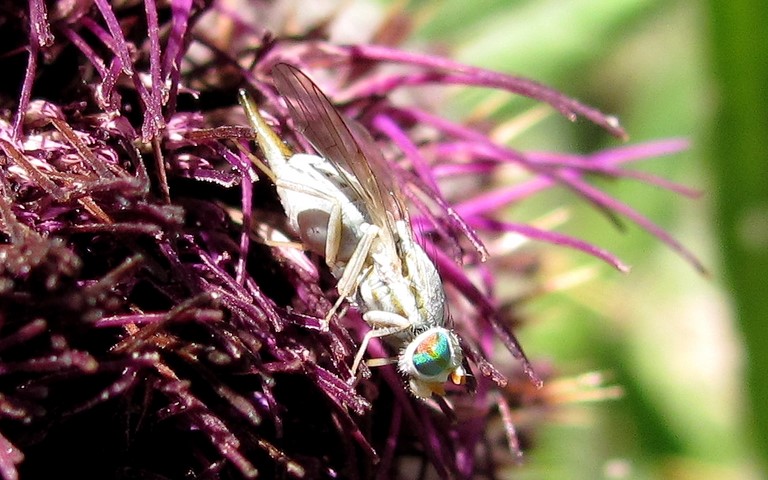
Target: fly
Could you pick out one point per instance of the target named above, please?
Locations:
(345, 206)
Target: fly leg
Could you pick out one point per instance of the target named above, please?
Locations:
(350, 279)
(382, 324)
(333, 236)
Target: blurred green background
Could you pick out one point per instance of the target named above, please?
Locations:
(689, 351)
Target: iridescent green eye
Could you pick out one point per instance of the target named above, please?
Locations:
(433, 355)
(430, 360)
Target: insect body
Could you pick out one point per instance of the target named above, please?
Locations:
(344, 206)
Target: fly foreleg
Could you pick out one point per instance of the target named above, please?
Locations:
(382, 324)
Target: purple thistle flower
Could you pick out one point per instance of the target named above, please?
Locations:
(155, 320)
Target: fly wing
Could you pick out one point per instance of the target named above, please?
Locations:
(346, 144)
(388, 189)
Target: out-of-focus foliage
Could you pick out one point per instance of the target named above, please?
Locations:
(738, 40)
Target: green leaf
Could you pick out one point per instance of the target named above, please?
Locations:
(740, 159)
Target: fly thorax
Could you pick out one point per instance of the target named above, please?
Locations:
(379, 290)
(426, 284)
(411, 288)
